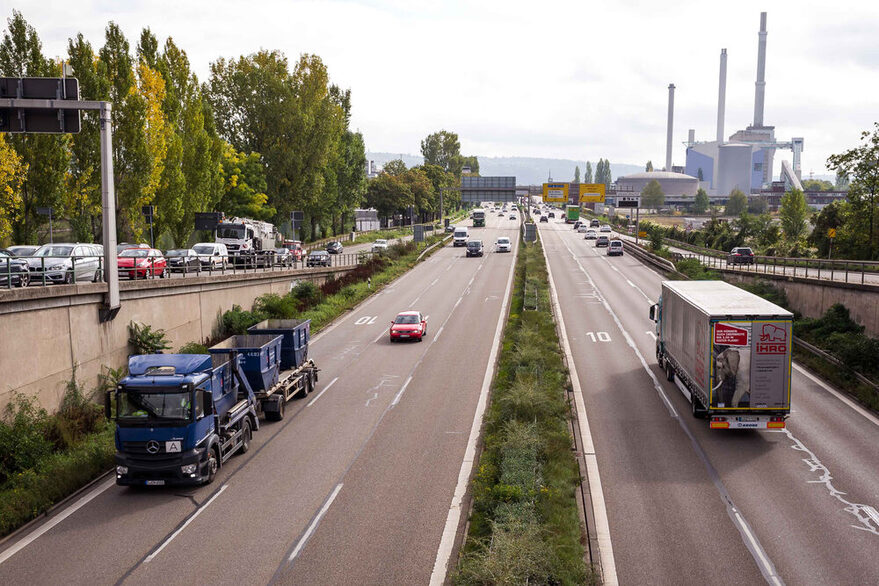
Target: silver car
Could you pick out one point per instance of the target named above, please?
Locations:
(66, 263)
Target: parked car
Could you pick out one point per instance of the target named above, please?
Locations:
(408, 325)
(213, 255)
(184, 260)
(318, 258)
(284, 257)
(380, 245)
(13, 271)
(544, 219)
(334, 248)
(503, 244)
(605, 228)
(141, 263)
(474, 248)
(20, 250)
(583, 228)
(615, 248)
(602, 241)
(66, 263)
(741, 255)
(123, 245)
(590, 234)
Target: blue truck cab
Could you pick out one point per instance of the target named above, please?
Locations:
(179, 417)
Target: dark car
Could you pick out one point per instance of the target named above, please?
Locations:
(741, 255)
(577, 224)
(474, 248)
(13, 271)
(183, 260)
(602, 241)
(334, 248)
(544, 219)
(318, 258)
(551, 214)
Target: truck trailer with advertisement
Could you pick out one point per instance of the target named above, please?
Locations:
(572, 214)
(728, 351)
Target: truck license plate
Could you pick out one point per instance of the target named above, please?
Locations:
(748, 418)
(155, 483)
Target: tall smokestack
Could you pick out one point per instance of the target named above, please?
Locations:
(721, 97)
(761, 73)
(671, 120)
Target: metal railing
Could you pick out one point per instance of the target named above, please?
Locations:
(49, 270)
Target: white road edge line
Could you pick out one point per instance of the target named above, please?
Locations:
(20, 545)
(314, 523)
(602, 525)
(869, 416)
(402, 390)
(447, 541)
(323, 390)
(152, 556)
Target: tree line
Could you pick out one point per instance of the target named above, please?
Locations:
(260, 138)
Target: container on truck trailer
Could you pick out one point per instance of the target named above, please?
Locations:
(728, 350)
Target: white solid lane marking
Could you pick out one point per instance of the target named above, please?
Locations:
(402, 390)
(869, 416)
(323, 390)
(37, 533)
(602, 525)
(438, 332)
(447, 542)
(314, 523)
(192, 518)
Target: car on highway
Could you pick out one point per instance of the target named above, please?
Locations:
(582, 229)
(13, 271)
(141, 263)
(602, 240)
(450, 228)
(513, 217)
(213, 255)
(590, 234)
(474, 248)
(284, 257)
(605, 228)
(594, 224)
(408, 325)
(318, 258)
(334, 247)
(503, 244)
(577, 224)
(544, 219)
(551, 214)
(501, 213)
(741, 255)
(21, 250)
(182, 260)
(615, 248)
(66, 263)
(380, 245)
(295, 248)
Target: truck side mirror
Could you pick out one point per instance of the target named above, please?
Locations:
(653, 312)
(108, 412)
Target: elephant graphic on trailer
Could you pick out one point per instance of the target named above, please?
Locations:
(772, 333)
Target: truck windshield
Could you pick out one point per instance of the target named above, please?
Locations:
(233, 231)
(151, 405)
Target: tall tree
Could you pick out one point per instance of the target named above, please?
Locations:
(12, 172)
(757, 205)
(652, 195)
(577, 174)
(443, 149)
(649, 166)
(45, 157)
(737, 203)
(395, 167)
(245, 185)
(701, 203)
(442, 180)
(793, 214)
(389, 194)
(587, 178)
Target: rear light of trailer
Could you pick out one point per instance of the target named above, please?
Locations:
(775, 423)
(719, 423)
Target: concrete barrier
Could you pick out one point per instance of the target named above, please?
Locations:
(48, 332)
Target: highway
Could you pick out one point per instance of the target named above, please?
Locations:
(685, 504)
(353, 486)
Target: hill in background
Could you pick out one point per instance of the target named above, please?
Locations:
(527, 170)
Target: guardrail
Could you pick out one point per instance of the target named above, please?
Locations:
(49, 270)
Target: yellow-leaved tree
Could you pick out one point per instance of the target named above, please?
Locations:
(12, 170)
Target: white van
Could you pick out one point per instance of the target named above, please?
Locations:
(460, 236)
(213, 255)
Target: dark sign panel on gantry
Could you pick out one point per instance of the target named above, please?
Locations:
(477, 189)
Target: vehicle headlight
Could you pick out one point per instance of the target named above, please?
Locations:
(189, 468)
(121, 470)
(55, 267)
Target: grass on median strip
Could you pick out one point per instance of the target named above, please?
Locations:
(44, 458)
(525, 526)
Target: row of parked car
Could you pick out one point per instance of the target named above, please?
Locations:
(77, 262)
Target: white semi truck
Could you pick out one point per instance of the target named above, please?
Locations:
(728, 351)
(249, 242)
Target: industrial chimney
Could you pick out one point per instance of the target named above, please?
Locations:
(721, 97)
(671, 119)
(761, 73)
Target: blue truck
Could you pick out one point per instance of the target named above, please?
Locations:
(180, 417)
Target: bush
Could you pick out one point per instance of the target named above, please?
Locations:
(23, 441)
(76, 418)
(236, 320)
(836, 319)
(193, 348)
(307, 294)
(693, 269)
(275, 306)
(145, 340)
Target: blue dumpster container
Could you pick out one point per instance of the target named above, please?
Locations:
(261, 358)
(295, 333)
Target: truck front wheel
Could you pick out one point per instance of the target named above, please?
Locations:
(213, 465)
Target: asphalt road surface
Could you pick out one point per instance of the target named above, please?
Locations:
(354, 486)
(689, 505)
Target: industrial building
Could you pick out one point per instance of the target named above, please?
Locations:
(671, 183)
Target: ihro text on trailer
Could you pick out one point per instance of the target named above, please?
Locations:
(180, 417)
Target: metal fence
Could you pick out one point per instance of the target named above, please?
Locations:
(48, 270)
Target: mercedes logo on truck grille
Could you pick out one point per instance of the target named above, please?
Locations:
(152, 447)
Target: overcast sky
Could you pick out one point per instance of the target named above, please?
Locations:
(577, 80)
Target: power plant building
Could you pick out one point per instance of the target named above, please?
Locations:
(671, 183)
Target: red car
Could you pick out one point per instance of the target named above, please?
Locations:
(408, 325)
(137, 263)
(295, 248)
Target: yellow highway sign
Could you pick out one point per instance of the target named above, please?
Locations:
(555, 192)
(592, 192)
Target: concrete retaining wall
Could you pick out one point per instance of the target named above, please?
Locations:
(46, 333)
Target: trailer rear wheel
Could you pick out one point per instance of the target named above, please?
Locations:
(276, 414)
(669, 372)
(698, 410)
(246, 434)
